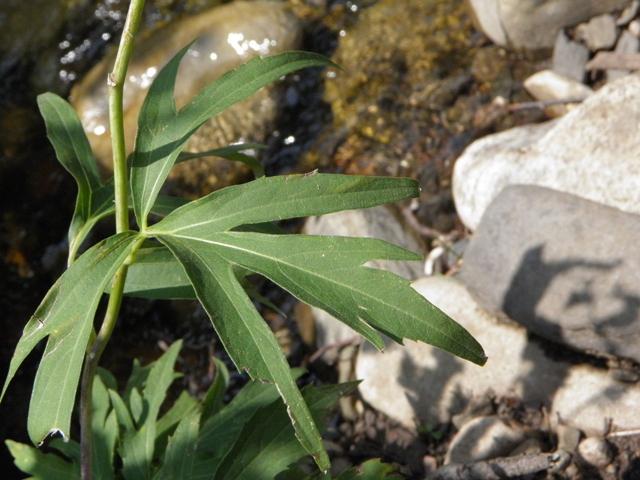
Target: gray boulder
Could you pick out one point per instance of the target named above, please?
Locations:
(418, 383)
(593, 151)
(566, 268)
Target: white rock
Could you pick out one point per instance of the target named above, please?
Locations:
(422, 384)
(484, 438)
(376, 222)
(627, 43)
(569, 57)
(549, 85)
(596, 451)
(599, 33)
(533, 24)
(592, 152)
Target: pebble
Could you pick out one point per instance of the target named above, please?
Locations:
(627, 43)
(569, 57)
(550, 85)
(599, 33)
(596, 451)
(534, 24)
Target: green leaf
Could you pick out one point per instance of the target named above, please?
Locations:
(66, 316)
(277, 198)
(137, 449)
(267, 444)
(220, 431)
(162, 132)
(156, 273)
(181, 453)
(73, 151)
(184, 406)
(372, 469)
(39, 465)
(213, 400)
(219, 152)
(104, 429)
(246, 337)
(232, 152)
(67, 136)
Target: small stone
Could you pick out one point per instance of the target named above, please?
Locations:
(530, 446)
(599, 33)
(569, 58)
(549, 85)
(596, 451)
(484, 438)
(634, 27)
(629, 13)
(627, 43)
(568, 438)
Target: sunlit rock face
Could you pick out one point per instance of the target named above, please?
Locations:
(225, 37)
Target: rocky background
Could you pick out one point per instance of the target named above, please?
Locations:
(521, 120)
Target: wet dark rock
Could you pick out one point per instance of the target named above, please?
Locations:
(564, 267)
(226, 37)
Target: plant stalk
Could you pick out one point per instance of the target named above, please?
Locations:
(115, 82)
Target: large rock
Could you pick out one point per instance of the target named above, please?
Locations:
(376, 222)
(421, 384)
(534, 24)
(566, 268)
(226, 36)
(593, 152)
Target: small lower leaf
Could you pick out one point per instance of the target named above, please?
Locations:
(66, 316)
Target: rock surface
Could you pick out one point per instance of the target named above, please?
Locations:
(592, 152)
(566, 268)
(375, 222)
(569, 57)
(226, 37)
(534, 24)
(484, 438)
(420, 384)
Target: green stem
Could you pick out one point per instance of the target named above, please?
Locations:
(90, 368)
(116, 123)
(116, 85)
